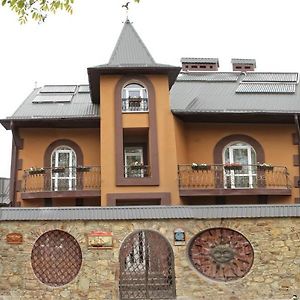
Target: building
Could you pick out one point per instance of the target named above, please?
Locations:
(189, 177)
(4, 192)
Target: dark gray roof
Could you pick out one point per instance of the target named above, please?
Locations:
(130, 55)
(247, 61)
(149, 212)
(79, 106)
(130, 49)
(215, 92)
(199, 60)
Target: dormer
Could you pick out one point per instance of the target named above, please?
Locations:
(199, 64)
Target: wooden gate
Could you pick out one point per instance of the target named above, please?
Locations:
(146, 267)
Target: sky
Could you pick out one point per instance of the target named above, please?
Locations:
(60, 50)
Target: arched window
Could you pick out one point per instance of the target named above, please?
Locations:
(134, 98)
(239, 159)
(63, 165)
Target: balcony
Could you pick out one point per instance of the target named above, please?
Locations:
(61, 182)
(137, 171)
(135, 105)
(222, 180)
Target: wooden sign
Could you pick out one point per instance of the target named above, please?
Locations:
(14, 238)
(100, 240)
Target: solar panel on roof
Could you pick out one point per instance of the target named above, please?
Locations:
(205, 76)
(266, 88)
(271, 77)
(50, 98)
(83, 89)
(58, 89)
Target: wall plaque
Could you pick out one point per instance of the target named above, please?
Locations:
(100, 240)
(14, 238)
(179, 237)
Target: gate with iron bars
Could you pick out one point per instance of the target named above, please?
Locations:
(146, 267)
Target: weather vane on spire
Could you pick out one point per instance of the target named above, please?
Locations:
(126, 6)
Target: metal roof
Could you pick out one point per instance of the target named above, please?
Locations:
(79, 107)
(58, 89)
(205, 92)
(130, 49)
(149, 212)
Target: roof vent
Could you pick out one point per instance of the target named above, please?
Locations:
(199, 64)
(243, 65)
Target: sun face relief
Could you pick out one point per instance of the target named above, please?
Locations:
(221, 254)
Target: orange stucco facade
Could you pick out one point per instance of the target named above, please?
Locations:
(178, 143)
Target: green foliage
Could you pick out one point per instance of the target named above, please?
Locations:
(37, 9)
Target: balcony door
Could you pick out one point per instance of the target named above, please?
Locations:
(63, 172)
(134, 161)
(241, 154)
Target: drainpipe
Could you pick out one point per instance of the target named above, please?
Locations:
(298, 135)
(16, 145)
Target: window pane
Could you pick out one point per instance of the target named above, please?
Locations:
(240, 156)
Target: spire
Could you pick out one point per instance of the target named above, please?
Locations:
(130, 49)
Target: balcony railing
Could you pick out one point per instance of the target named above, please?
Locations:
(62, 179)
(137, 171)
(233, 177)
(135, 104)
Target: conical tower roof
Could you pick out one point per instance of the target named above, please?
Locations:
(130, 55)
(130, 49)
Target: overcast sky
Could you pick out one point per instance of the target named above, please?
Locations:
(59, 50)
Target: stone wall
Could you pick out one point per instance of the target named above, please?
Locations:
(275, 273)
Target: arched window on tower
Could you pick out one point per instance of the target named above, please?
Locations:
(240, 161)
(63, 165)
(134, 98)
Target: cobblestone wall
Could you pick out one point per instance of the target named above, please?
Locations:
(275, 273)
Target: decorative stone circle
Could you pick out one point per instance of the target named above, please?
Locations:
(56, 258)
(221, 254)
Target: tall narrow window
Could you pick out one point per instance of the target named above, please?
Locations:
(239, 160)
(134, 161)
(134, 98)
(63, 163)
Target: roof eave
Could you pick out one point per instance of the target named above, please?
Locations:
(235, 117)
(92, 122)
(94, 74)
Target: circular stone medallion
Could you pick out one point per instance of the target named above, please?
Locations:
(221, 254)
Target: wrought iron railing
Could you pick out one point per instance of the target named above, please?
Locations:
(135, 104)
(137, 171)
(62, 179)
(233, 176)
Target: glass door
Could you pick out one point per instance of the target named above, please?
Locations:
(242, 175)
(134, 162)
(63, 169)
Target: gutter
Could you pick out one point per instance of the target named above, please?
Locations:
(298, 135)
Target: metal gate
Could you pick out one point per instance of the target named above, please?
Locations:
(146, 267)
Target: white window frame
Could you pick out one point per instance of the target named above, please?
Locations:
(71, 174)
(250, 166)
(139, 152)
(141, 90)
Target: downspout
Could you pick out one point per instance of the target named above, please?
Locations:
(298, 135)
(16, 145)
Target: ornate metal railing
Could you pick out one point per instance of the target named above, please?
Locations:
(137, 171)
(62, 179)
(233, 176)
(135, 104)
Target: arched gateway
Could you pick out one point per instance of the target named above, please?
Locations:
(146, 267)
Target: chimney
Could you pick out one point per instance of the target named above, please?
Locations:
(199, 64)
(243, 65)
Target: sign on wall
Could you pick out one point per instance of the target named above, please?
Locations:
(100, 240)
(179, 237)
(14, 238)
